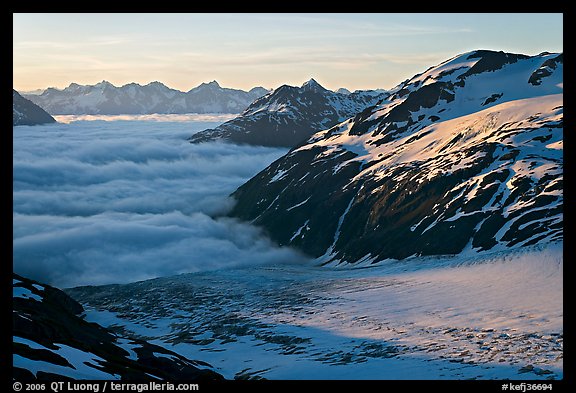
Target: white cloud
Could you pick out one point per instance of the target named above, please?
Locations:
(108, 202)
(171, 118)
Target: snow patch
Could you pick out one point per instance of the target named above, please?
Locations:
(80, 360)
(299, 231)
(25, 293)
(279, 175)
(298, 204)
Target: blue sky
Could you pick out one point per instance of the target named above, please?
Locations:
(356, 51)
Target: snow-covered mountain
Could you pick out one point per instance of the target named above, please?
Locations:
(464, 157)
(290, 115)
(106, 99)
(343, 90)
(25, 112)
(33, 92)
(51, 339)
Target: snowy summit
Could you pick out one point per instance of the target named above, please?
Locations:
(290, 115)
(469, 150)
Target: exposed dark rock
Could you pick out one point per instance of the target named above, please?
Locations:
(48, 318)
(290, 115)
(493, 98)
(546, 69)
(491, 61)
(26, 113)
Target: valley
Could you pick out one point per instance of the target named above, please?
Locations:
(484, 317)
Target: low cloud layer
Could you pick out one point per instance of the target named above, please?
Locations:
(99, 202)
(195, 117)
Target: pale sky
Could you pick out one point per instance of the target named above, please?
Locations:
(356, 51)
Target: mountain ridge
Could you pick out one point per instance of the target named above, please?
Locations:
(463, 157)
(25, 112)
(289, 114)
(106, 99)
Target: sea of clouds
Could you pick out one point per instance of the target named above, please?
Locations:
(113, 200)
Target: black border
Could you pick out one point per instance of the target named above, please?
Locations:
(326, 385)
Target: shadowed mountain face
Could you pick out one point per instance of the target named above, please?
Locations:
(466, 156)
(26, 113)
(107, 99)
(51, 340)
(289, 115)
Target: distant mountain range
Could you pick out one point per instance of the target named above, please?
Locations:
(106, 99)
(26, 113)
(464, 157)
(289, 115)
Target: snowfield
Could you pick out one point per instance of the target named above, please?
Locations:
(488, 316)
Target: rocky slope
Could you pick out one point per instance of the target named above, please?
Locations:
(26, 113)
(52, 340)
(106, 99)
(290, 115)
(464, 157)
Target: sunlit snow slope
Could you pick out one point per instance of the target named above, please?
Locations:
(465, 157)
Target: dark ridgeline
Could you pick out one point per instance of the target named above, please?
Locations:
(26, 113)
(289, 115)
